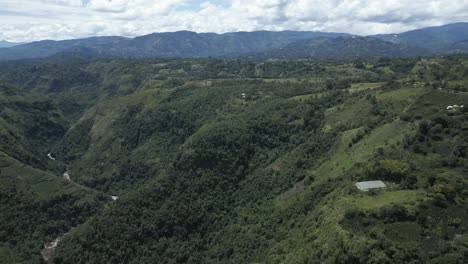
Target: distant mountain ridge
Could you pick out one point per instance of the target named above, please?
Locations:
(191, 44)
(46, 48)
(257, 44)
(340, 48)
(7, 44)
(170, 44)
(435, 39)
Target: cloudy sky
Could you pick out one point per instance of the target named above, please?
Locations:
(28, 20)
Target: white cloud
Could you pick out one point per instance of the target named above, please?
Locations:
(27, 20)
(63, 2)
(109, 5)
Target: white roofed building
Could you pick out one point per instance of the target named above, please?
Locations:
(368, 185)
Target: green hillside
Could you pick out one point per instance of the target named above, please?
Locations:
(37, 207)
(30, 123)
(229, 161)
(37, 204)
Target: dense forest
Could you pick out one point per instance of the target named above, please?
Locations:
(232, 161)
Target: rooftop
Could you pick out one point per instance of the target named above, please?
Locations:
(367, 185)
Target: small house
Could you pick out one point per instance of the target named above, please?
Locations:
(368, 185)
(449, 107)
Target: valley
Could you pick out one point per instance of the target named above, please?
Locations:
(233, 161)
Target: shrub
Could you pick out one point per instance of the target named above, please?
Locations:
(389, 170)
(405, 117)
(424, 127)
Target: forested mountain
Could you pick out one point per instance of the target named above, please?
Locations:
(435, 39)
(172, 44)
(340, 48)
(234, 161)
(191, 44)
(37, 205)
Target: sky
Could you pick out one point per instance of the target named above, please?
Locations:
(30, 20)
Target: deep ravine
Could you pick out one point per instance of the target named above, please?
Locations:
(48, 251)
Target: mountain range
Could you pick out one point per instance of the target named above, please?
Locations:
(171, 44)
(445, 39)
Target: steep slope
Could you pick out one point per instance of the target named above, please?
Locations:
(37, 203)
(30, 124)
(37, 207)
(270, 177)
(339, 48)
(434, 39)
(255, 185)
(145, 130)
(210, 160)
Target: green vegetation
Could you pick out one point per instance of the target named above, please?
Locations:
(37, 205)
(228, 161)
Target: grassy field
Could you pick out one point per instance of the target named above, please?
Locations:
(357, 87)
(352, 114)
(41, 184)
(345, 157)
(385, 197)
